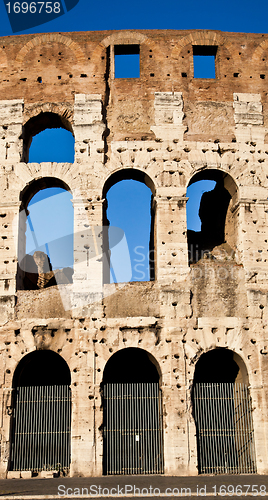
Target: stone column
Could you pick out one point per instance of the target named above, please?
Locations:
(8, 258)
(252, 238)
(169, 114)
(6, 422)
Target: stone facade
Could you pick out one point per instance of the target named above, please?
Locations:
(168, 129)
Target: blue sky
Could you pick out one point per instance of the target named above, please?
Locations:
(235, 16)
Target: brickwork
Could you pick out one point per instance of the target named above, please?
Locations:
(169, 129)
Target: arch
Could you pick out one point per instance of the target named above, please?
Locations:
(222, 414)
(133, 434)
(219, 224)
(125, 38)
(35, 270)
(195, 43)
(201, 38)
(213, 174)
(41, 425)
(48, 38)
(38, 123)
(36, 185)
(134, 271)
(220, 365)
(65, 112)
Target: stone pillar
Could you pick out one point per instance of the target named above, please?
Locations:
(171, 249)
(8, 247)
(252, 238)
(6, 421)
(11, 119)
(8, 258)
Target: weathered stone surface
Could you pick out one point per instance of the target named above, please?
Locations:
(25, 474)
(166, 129)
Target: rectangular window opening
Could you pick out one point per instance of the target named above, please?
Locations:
(204, 61)
(127, 61)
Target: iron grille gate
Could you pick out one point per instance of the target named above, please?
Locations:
(41, 428)
(224, 424)
(133, 441)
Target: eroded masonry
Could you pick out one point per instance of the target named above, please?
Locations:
(163, 376)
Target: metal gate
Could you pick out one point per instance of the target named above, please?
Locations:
(41, 428)
(133, 440)
(225, 437)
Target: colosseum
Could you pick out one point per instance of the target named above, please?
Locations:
(166, 376)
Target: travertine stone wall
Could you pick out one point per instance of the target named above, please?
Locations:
(169, 129)
(11, 115)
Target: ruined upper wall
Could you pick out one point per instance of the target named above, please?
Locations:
(51, 68)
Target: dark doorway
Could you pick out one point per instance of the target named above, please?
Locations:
(222, 413)
(133, 440)
(213, 222)
(42, 413)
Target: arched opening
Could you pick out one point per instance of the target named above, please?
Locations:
(133, 435)
(41, 426)
(48, 137)
(129, 206)
(45, 235)
(211, 221)
(222, 413)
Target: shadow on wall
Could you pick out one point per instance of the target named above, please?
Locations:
(130, 365)
(48, 137)
(45, 250)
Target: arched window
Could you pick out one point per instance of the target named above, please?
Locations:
(222, 413)
(46, 235)
(129, 207)
(210, 221)
(48, 137)
(133, 440)
(41, 426)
